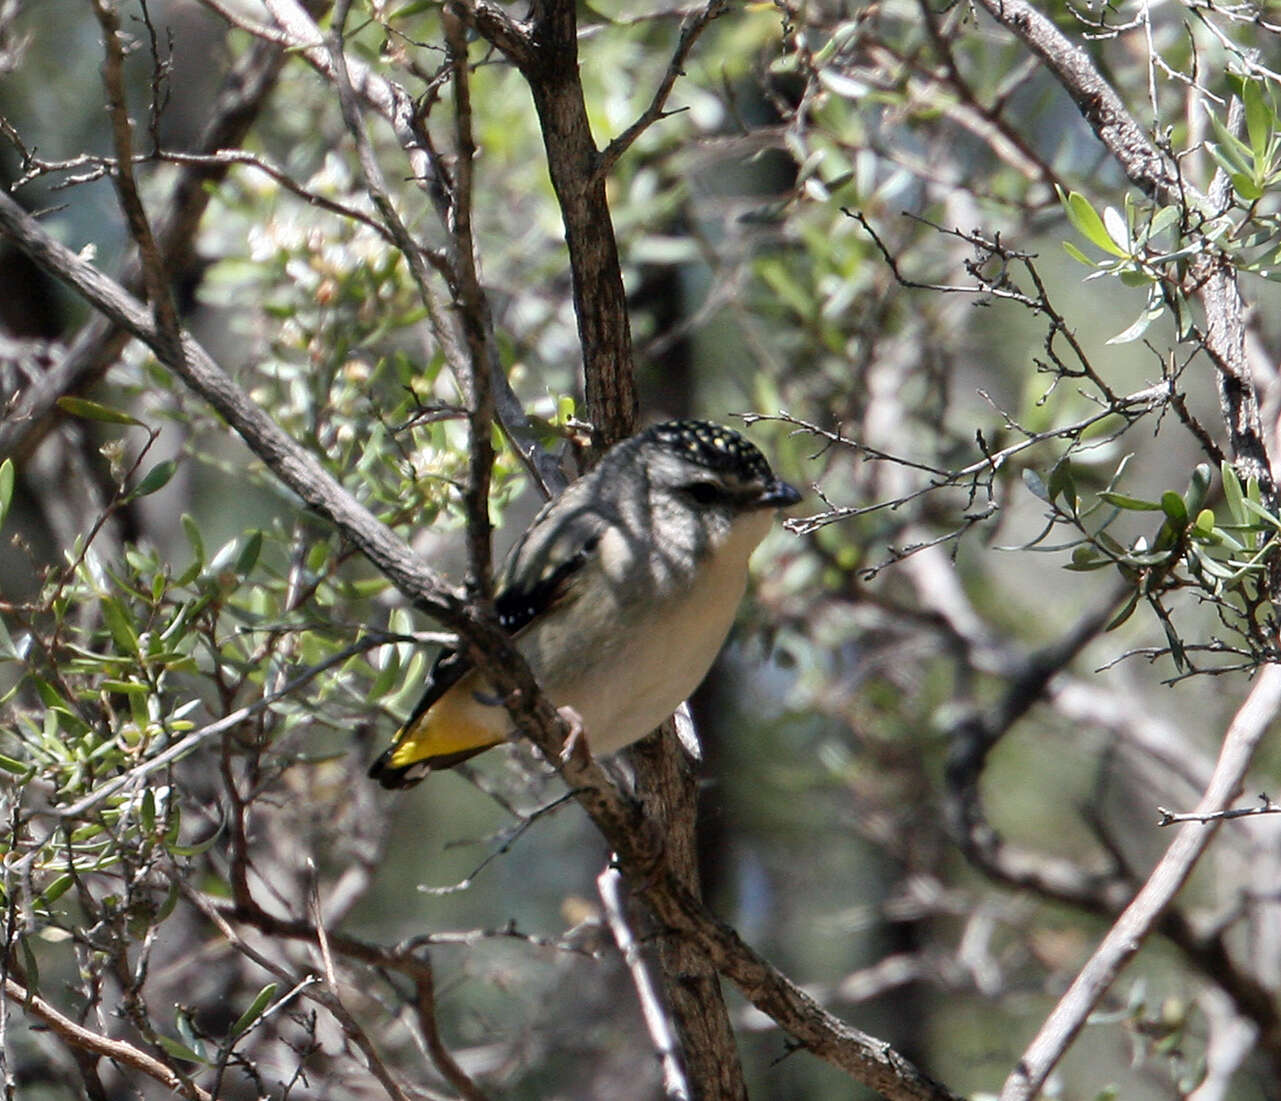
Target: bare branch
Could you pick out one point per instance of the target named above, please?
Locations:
(1170, 818)
(1130, 930)
(691, 29)
(610, 887)
(103, 1047)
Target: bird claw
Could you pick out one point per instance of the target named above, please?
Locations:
(575, 747)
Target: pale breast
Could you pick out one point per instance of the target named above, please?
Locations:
(660, 653)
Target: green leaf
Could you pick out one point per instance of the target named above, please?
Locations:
(199, 848)
(156, 478)
(1262, 513)
(1233, 493)
(118, 624)
(1085, 558)
(387, 677)
(1127, 610)
(1077, 254)
(1162, 220)
(94, 411)
(6, 489)
(1172, 505)
(31, 965)
(179, 1051)
(18, 768)
(1151, 311)
(1245, 186)
(1085, 219)
(1260, 120)
(1198, 487)
(248, 556)
(1109, 544)
(256, 1007)
(1177, 652)
(1229, 150)
(1133, 504)
(8, 651)
(192, 530)
(1204, 523)
(1062, 484)
(182, 1020)
(56, 889)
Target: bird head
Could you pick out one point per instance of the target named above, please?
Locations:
(708, 467)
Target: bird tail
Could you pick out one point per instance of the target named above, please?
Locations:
(427, 744)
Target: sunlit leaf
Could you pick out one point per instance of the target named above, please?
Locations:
(6, 489)
(1260, 120)
(1087, 222)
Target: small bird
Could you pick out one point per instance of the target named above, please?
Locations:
(619, 596)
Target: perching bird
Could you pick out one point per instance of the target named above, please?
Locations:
(619, 596)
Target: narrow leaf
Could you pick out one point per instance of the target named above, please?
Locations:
(178, 1050)
(1134, 504)
(1077, 254)
(1062, 484)
(1259, 119)
(6, 489)
(1232, 492)
(156, 478)
(8, 764)
(256, 1007)
(1127, 610)
(1229, 148)
(95, 411)
(248, 556)
(1245, 186)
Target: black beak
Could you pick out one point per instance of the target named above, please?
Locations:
(778, 494)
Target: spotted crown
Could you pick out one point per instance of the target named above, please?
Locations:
(713, 446)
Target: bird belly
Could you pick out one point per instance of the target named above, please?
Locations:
(624, 688)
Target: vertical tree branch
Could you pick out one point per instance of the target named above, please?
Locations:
(470, 303)
(155, 278)
(600, 302)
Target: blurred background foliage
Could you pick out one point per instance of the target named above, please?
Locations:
(853, 230)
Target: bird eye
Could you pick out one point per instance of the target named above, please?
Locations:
(705, 493)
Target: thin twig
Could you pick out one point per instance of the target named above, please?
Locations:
(609, 884)
(693, 26)
(1170, 818)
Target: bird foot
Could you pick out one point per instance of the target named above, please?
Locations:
(575, 747)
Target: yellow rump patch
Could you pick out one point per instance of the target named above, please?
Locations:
(455, 723)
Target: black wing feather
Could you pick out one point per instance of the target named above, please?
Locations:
(516, 608)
